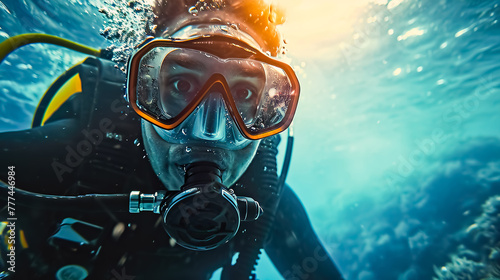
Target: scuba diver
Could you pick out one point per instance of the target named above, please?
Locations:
(177, 179)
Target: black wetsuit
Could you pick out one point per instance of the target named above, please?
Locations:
(80, 151)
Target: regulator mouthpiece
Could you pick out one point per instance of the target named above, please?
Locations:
(206, 214)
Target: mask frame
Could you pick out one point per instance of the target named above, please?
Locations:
(219, 46)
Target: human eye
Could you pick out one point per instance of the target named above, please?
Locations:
(246, 98)
(176, 91)
(245, 93)
(181, 87)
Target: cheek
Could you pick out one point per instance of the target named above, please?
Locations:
(242, 159)
(159, 156)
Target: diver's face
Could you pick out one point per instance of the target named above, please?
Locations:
(183, 74)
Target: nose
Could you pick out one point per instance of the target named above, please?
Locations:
(210, 120)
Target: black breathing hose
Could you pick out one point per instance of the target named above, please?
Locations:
(267, 193)
(286, 161)
(82, 203)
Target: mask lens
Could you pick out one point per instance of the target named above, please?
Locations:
(167, 84)
(273, 102)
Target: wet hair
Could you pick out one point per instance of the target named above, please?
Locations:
(256, 17)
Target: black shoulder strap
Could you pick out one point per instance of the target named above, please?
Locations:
(112, 129)
(110, 159)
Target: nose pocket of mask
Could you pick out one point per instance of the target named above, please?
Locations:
(210, 119)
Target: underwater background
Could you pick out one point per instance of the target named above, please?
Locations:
(397, 151)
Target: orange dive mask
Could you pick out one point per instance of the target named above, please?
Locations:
(168, 79)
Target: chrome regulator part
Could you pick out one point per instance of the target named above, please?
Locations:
(141, 202)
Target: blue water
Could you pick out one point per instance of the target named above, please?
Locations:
(397, 132)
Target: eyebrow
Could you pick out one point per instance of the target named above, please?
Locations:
(251, 72)
(185, 60)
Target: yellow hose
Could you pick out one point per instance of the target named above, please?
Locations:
(12, 43)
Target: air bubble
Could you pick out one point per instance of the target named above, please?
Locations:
(272, 16)
(192, 10)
